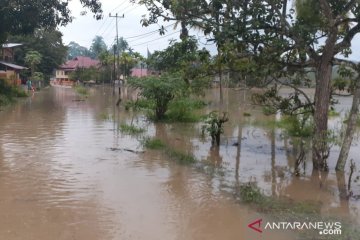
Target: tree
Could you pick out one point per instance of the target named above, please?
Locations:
(160, 91)
(74, 50)
(280, 41)
(48, 43)
(23, 17)
(186, 59)
(33, 58)
(98, 46)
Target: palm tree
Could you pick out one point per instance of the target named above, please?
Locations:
(33, 58)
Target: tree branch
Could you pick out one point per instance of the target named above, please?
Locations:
(346, 42)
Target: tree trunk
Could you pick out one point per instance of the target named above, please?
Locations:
(322, 100)
(351, 125)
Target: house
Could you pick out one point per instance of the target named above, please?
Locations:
(142, 70)
(62, 73)
(8, 70)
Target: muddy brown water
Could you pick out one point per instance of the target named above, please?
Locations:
(61, 179)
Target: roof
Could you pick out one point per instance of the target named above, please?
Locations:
(11, 45)
(14, 66)
(80, 62)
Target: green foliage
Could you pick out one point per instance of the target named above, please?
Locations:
(83, 91)
(180, 157)
(75, 50)
(153, 143)
(8, 93)
(131, 129)
(97, 47)
(106, 116)
(160, 91)
(297, 125)
(333, 113)
(37, 76)
(48, 43)
(23, 17)
(341, 84)
(214, 126)
(185, 59)
(250, 193)
(84, 74)
(182, 110)
(269, 110)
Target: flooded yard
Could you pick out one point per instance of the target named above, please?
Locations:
(66, 172)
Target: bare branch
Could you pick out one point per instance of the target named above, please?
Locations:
(346, 42)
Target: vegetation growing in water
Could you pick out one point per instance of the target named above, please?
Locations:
(160, 91)
(81, 90)
(131, 129)
(167, 98)
(8, 93)
(285, 209)
(214, 126)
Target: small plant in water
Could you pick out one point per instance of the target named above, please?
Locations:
(153, 143)
(83, 91)
(214, 126)
(131, 129)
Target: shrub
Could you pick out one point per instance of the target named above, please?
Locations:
(214, 126)
(160, 91)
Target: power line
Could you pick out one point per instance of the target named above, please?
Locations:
(155, 39)
(132, 9)
(103, 23)
(148, 33)
(125, 1)
(112, 20)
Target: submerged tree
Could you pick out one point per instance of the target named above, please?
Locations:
(159, 91)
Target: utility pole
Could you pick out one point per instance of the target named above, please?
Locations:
(117, 38)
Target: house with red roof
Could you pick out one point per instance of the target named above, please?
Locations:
(62, 73)
(9, 71)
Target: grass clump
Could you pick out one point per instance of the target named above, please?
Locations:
(182, 110)
(105, 116)
(131, 129)
(83, 91)
(180, 157)
(285, 209)
(153, 143)
(333, 113)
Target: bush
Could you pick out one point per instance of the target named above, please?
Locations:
(8, 92)
(160, 91)
(183, 110)
(214, 126)
(297, 126)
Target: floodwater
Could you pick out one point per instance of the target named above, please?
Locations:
(64, 173)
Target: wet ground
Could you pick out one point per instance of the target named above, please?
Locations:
(61, 179)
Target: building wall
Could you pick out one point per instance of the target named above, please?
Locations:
(61, 74)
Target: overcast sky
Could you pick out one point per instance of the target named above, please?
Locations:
(84, 28)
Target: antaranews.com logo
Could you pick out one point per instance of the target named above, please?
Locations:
(324, 228)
